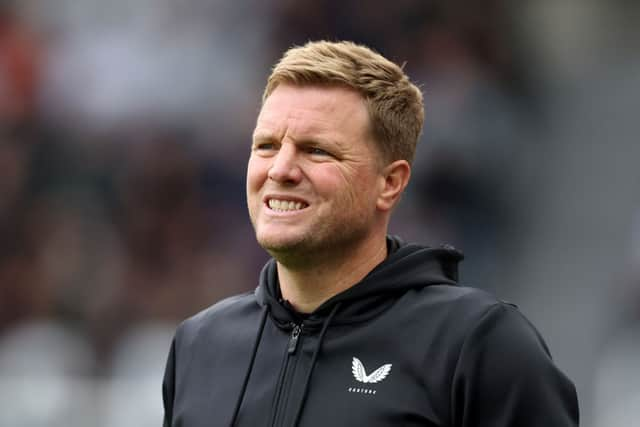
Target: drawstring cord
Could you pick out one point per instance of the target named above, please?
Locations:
(254, 351)
(305, 390)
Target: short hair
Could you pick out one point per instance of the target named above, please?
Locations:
(394, 103)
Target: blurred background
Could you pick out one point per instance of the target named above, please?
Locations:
(124, 133)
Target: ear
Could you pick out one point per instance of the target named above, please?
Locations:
(393, 181)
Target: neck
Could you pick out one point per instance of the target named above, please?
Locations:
(306, 288)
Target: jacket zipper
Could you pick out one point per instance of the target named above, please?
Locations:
(287, 374)
(293, 340)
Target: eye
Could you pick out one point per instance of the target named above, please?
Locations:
(317, 151)
(264, 146)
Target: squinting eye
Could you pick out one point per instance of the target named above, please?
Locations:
(318, 151)
(264, 146)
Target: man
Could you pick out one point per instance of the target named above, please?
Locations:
(350, 327)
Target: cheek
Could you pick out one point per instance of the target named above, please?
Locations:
(329, 180)
(256, 174)
(357, 187)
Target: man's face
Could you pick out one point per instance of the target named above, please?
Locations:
(313, 177)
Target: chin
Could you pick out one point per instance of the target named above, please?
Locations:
(280, 243)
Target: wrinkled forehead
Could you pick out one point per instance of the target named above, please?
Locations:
(310, 110)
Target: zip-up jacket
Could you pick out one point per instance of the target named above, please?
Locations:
(406, 346)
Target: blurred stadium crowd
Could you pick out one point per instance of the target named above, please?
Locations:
(124, 131)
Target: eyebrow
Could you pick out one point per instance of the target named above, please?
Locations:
(306, 140)
(263, 136)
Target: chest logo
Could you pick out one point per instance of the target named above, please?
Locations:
(376, 376)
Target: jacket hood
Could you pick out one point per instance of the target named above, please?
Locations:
(407, 266)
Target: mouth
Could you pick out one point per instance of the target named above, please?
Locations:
(285, 205)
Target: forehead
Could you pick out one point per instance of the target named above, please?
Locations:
(310, 110)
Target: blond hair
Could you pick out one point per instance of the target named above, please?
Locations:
(394, 103)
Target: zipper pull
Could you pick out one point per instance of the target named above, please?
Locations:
(293, 340)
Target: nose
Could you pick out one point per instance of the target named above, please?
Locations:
(285, 167)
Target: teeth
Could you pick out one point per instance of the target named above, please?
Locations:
(283, 205)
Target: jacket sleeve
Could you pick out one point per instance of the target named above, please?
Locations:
(168, 386)
(505, 377)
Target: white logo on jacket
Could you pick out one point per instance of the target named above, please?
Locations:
(376, 376)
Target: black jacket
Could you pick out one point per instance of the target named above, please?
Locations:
(406, 346)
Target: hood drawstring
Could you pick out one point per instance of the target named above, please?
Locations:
(307, 380)
(254, 351)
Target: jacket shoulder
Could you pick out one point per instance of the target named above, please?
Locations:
(462, 300)
(224, 307)
(503, 354)
(498, 352)
(235, 309)
(456, 311)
